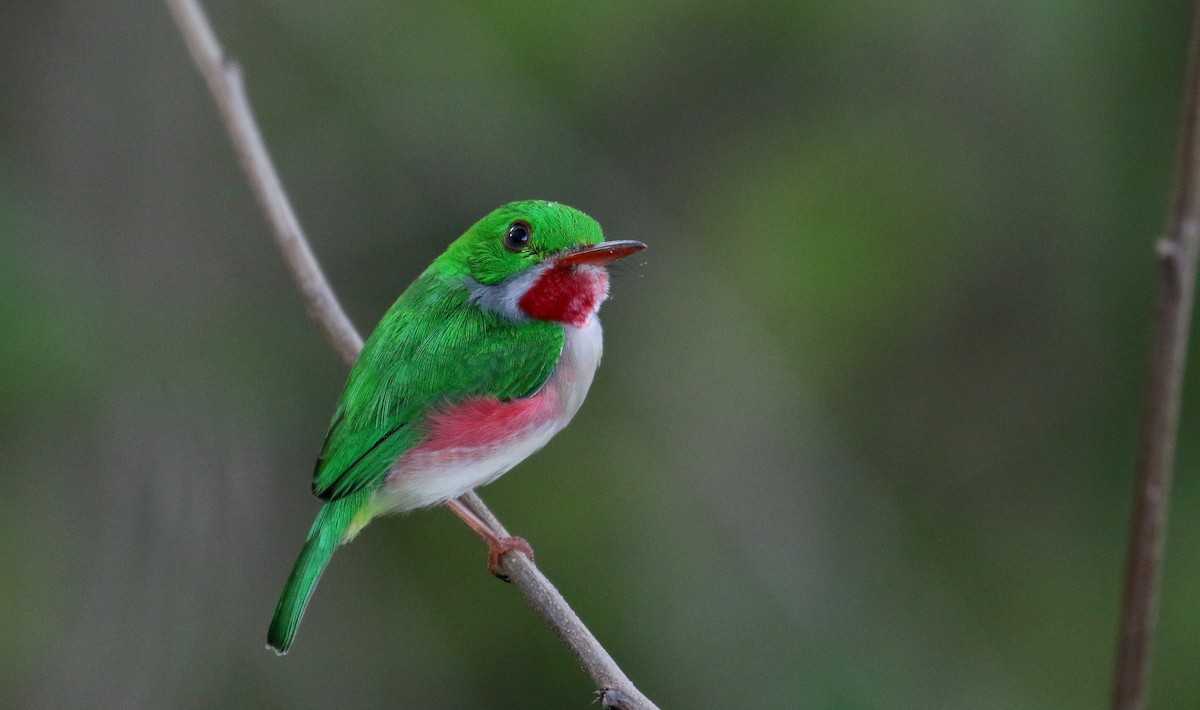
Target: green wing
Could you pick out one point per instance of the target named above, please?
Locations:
(432, 348)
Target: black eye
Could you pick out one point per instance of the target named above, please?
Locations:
(518, 235)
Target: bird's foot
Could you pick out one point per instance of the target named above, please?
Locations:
(499, 546)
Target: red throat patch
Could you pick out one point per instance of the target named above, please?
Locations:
(566, 294)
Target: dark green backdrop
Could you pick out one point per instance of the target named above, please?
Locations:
(864, 431)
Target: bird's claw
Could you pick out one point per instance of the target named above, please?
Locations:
(500, 547)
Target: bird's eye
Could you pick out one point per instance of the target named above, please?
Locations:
(518, 235)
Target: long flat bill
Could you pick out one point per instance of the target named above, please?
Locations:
(602, 253)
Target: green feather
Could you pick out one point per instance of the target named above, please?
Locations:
(332, 527)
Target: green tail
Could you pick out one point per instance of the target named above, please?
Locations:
(328, 531)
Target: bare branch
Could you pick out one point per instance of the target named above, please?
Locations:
(225, 83)
(554, 610)
(1177, 252)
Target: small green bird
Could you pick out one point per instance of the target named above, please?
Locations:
(478, 364)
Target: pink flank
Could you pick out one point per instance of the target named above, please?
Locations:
(566, 294)
(485, 422)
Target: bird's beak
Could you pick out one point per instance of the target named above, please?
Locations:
(602, 253)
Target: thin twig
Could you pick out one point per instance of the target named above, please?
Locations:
(225, 82)
(1177, 251)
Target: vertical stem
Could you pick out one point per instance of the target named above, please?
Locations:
(1177, 251)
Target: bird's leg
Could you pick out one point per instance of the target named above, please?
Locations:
(497, 545)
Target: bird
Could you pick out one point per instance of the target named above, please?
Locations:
(484, 358)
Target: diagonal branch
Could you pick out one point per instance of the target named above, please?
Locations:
(225, 83)
(1177, 252)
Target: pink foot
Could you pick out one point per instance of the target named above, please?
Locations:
(502, 545)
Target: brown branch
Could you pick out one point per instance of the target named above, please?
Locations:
(225, 82)
(616, 690)
(1177, 251)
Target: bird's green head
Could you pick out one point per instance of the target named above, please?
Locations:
(535, 259)
(517, 236)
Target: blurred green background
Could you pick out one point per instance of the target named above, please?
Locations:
(863, 435)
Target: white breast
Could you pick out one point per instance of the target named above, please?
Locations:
(582, 348)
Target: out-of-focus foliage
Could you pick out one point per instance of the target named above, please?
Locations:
(864, 432)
